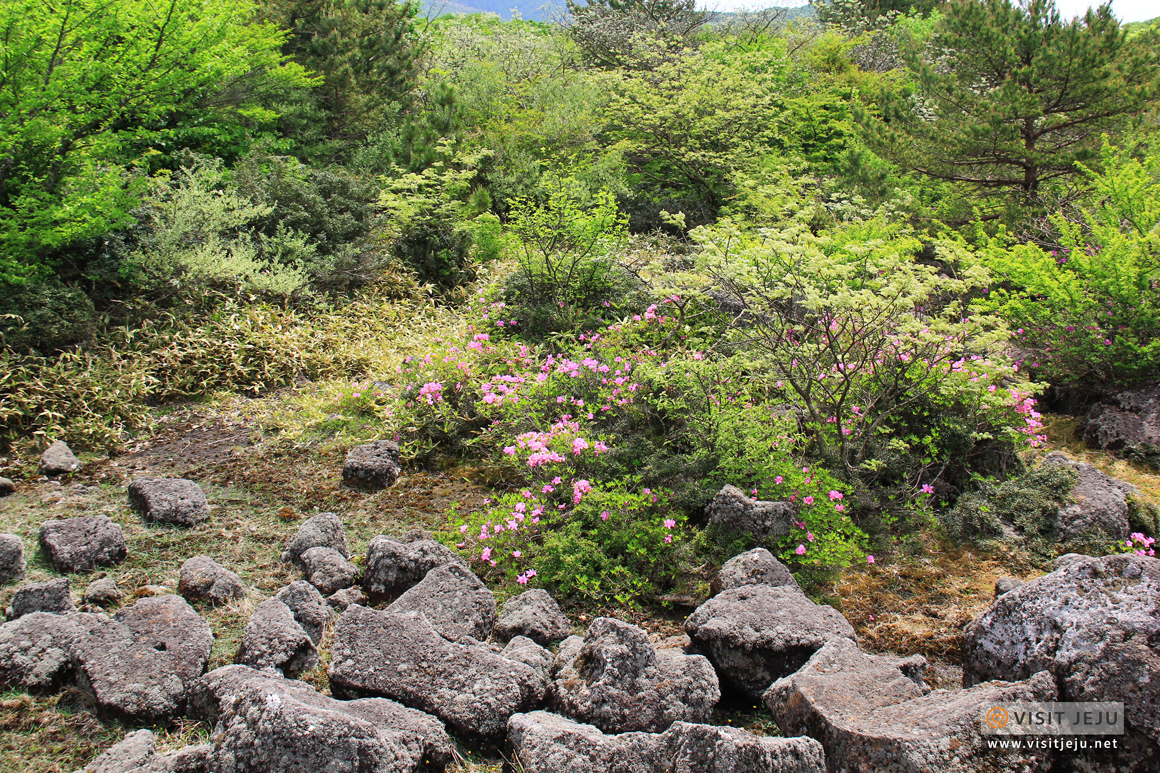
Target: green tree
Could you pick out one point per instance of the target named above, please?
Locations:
(1009, 96)
(633, 34)
(367, 53)
(86, 85)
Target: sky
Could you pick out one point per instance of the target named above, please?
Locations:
(1124, 10)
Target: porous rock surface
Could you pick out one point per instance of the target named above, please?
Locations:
(327, 570)
(1093, 624)
(534, 614)
(617, 682)
(1128, 419)
(103, 592)
(373, 465)
(203, 579)
(345, 597)
(392, 567)
(275, 641)
(82, 544)
(733, 509)
(169, 500)
(36, 650)
(453, 600)
(758, 633)
(401, 657)
(138, 665)
(7, 486)
(12, 564)
(873, 713)
(1100, 502)
(324, 530)
(311, 611)
(137, 753)
(523, 650)
(58, 459)
(548, 743)
(754, 567)
(52, 596)
(265, 723)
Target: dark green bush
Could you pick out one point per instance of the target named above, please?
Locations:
(45, 316)
(1026, 505)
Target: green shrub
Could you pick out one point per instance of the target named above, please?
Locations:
(1089, 309)
(45, 316)
(1026, 506)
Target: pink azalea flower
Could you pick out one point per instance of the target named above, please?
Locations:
(801, 550)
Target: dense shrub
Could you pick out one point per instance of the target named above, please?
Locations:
(1026, 506)
(45, 316)
(1088, 311)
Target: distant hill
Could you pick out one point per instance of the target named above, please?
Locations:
(539, 10)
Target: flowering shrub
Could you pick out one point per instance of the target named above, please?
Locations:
(1088, 311)
(898, 383)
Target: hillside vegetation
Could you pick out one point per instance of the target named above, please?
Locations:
(874, 264)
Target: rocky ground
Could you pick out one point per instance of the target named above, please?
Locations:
(240, 570)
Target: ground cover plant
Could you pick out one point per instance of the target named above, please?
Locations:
(586, 274)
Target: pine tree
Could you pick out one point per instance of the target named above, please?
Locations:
(1009, 97)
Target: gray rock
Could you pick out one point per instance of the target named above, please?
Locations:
(58, 460)
(345, 597)
(393, 567)
(103, 592)
(1006, 585)
(566, 652)
(6, 487)
(1068, 559)
(275, 641)
(1094, 625)
(324, 530)
(130, 755)
(871, 713)
(169, 500)
(137, 753)
(36, 651)
(400, 656)
(138, 665)
(617, 682)
(12, 564)
(203, 579)
(734, 510)
(533, 614)
(758, 633)
(453, 600)
(267, 723)
(309, 608)
(82, 544)
(1126, 420)
(755, 567)
(374, 465)
(547, 743)
(1100, 502)
(523, 650)
(327, 570)
(52, 596)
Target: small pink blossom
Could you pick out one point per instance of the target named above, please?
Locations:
(670, 523)
(869, 559)
(801, 549)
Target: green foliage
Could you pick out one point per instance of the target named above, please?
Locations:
(1088, 311)
(1027, 504)
(430, 219)
(87, 85)
(198, 234)
(45, 315)
(569, 276)
(897, 382)
(1010, 96)
(633, 34)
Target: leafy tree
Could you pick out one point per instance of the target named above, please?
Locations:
(367, 52)
(860, 15)
(633, 34)
(87, 84)
(1010, 96)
